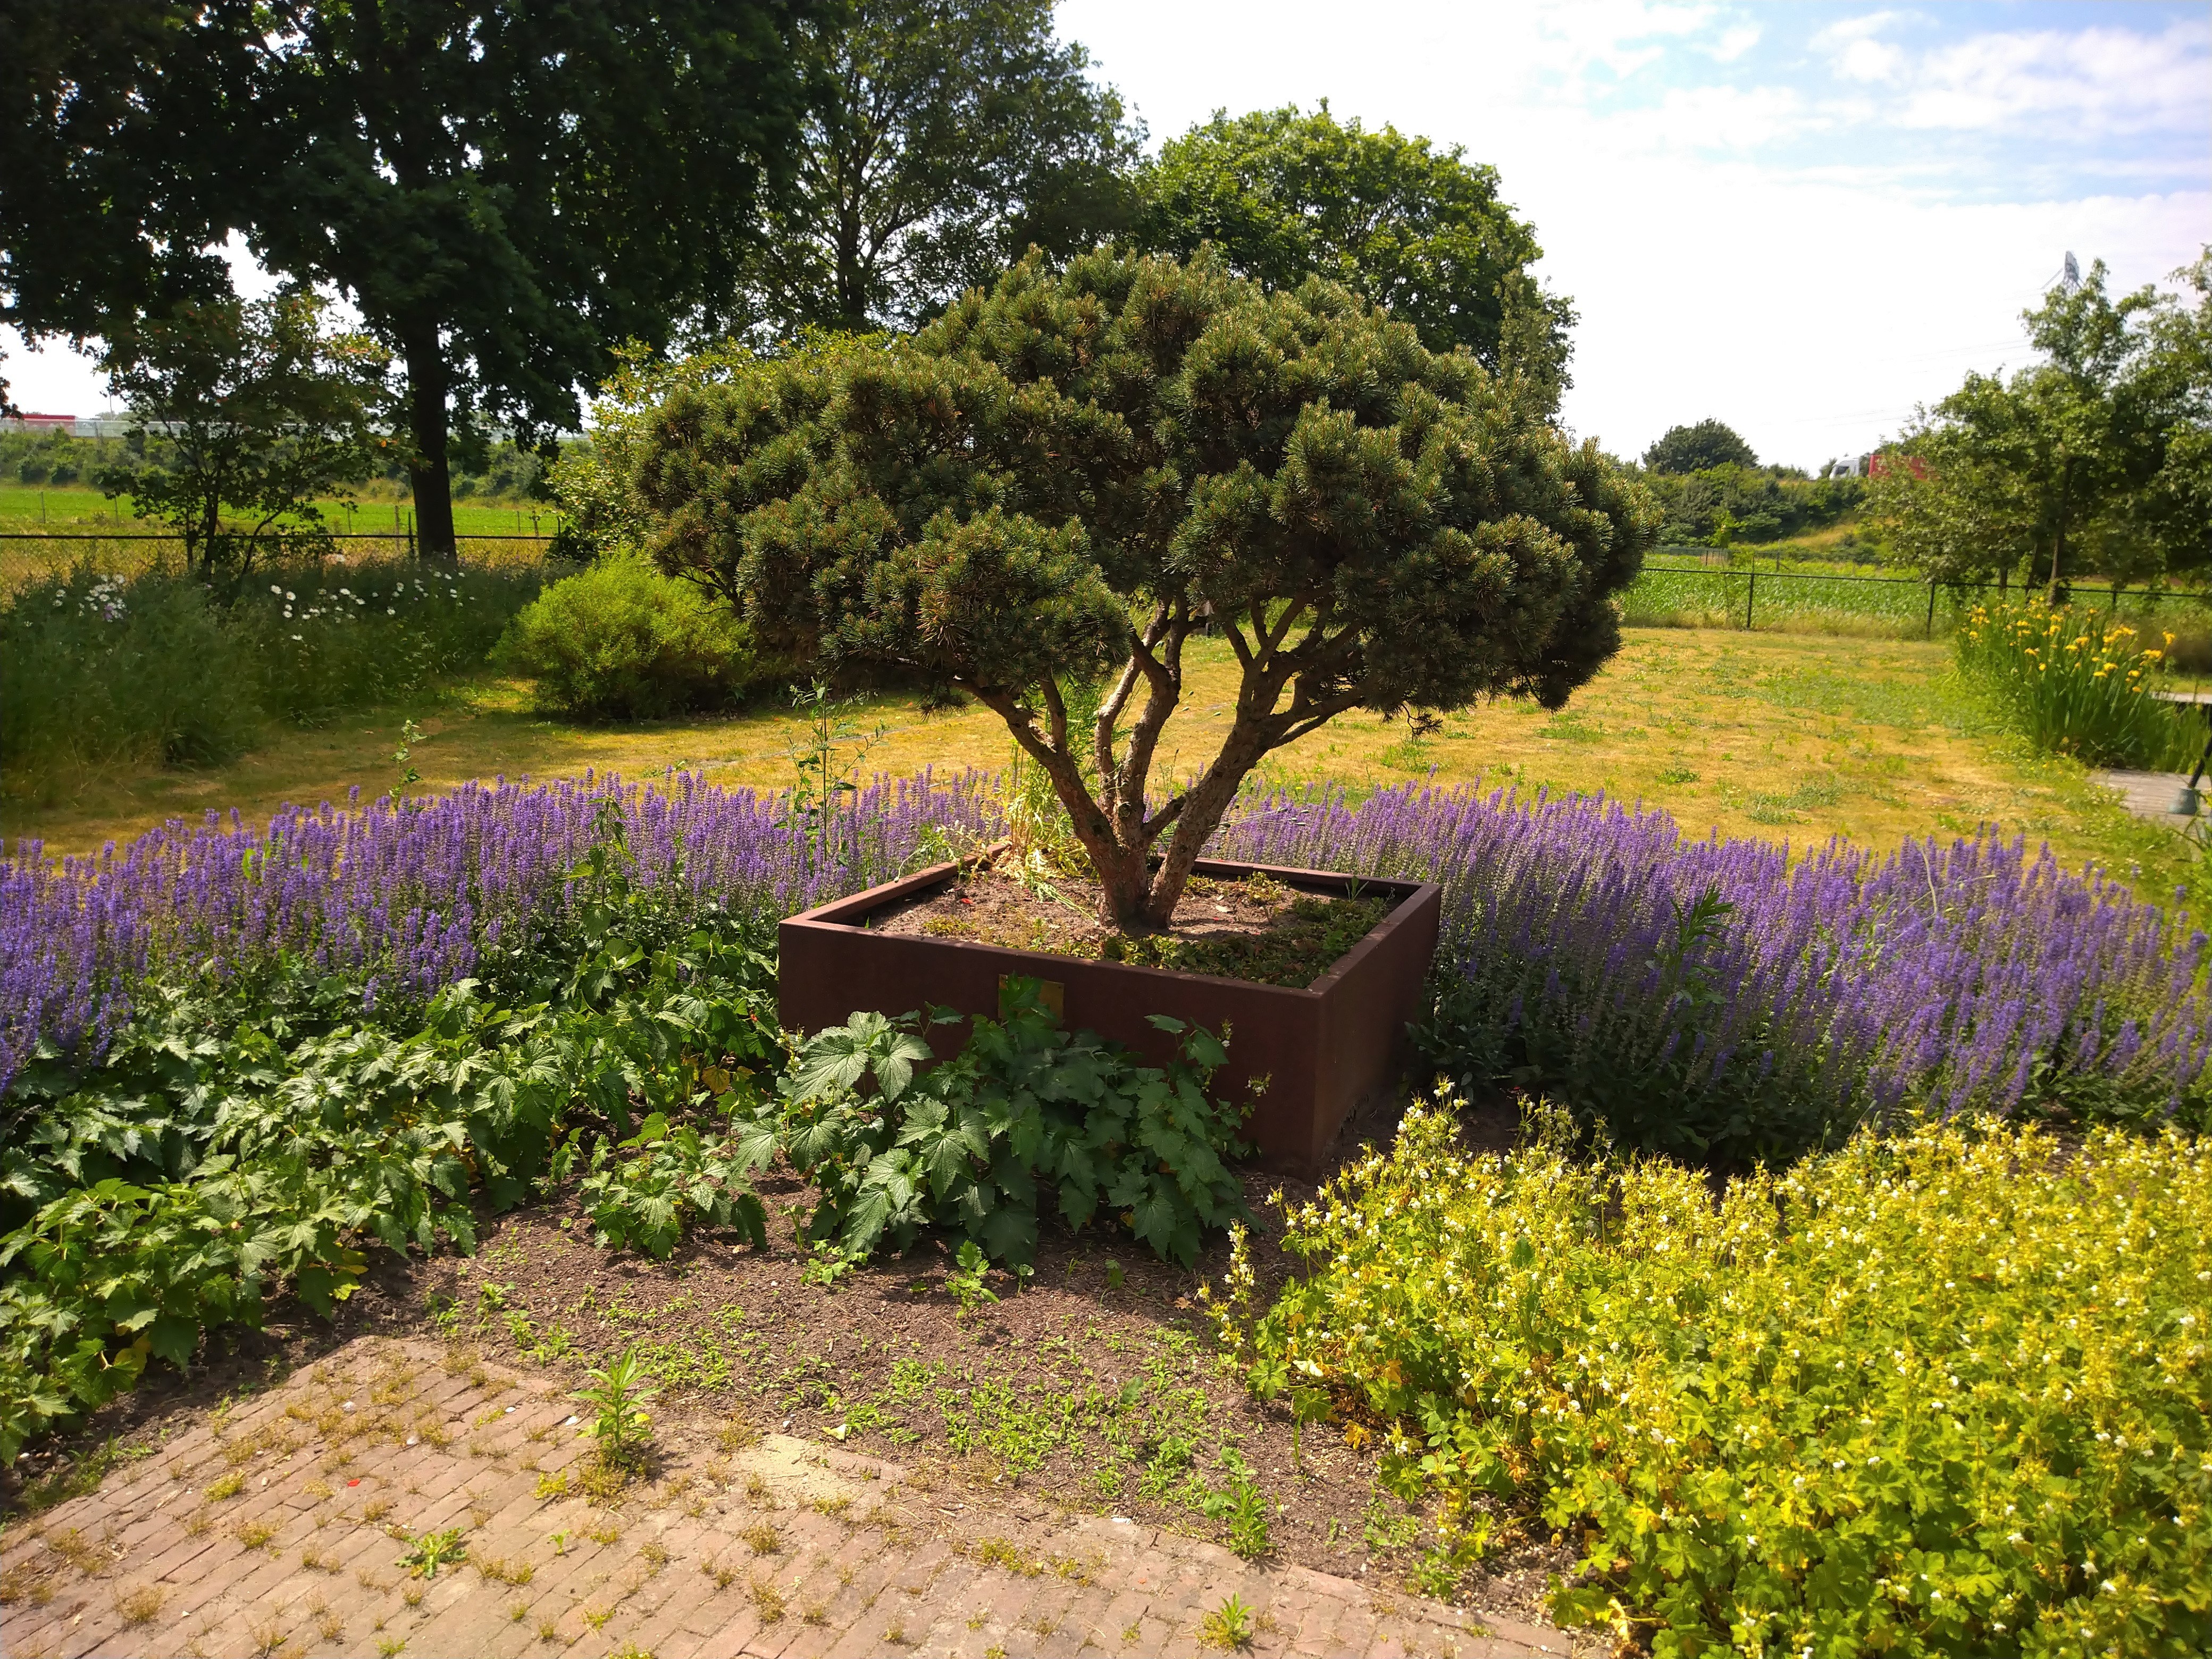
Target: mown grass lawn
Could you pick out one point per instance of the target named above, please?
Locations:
(1799, 737)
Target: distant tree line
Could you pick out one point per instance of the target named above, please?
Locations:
(1712, 492)
(515, 200)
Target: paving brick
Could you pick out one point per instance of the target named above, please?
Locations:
(860, 1579)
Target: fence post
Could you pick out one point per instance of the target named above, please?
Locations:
(410, 538)
(1749, 594)
(1931, 609)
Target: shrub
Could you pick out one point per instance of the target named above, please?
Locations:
(2074, 683)
(1028, 1114)
(100, 670)
(619, 641)
(1942, 1394)
(317, 639)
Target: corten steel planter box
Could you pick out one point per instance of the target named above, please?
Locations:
(1324, 1048)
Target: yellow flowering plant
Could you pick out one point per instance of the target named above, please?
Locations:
(2077, 682)
(1944, 1393)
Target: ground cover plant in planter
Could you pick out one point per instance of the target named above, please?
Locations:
(1037, 500)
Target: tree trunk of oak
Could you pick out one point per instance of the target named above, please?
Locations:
(429, 474)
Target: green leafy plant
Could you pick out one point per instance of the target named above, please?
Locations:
(671, 1177)
(1228, 1627)
(432, 1550)
(822, 776)
(616, 1394)
(1028, 1113)
(403, 758)
(619, 641)
(965, 1281)
(827, 1267)
(1933, 1393)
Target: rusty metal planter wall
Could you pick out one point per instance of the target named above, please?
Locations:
(1323, 1048)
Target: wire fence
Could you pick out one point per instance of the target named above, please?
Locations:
(30, 556)
(1904, 606)
(1666, 594)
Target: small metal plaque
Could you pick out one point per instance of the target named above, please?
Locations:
(1050, 992)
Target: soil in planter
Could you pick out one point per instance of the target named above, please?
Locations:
(1250, 927)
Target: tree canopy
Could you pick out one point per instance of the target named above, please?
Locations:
(503, 192)
(1060, 480)
(248, 408)
(2097, 458)
(111, 196)
(1284, 195)
(1695, 448)
(943, 139)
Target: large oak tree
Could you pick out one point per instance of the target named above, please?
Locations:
(503, 190)
(1062, 479)
(115, 117)
(1285, 194)
(943, 139)
(506, 191)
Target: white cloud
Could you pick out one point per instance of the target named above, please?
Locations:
(1734, 43)
(1719, 118)
(1757, 247)
(2104, 79)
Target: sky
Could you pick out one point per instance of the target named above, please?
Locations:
(1801, 219)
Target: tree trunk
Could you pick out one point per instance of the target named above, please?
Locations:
(430, 475)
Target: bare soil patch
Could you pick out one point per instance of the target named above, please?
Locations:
(1252, 928)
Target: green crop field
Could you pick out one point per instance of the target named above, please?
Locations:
(86, 527)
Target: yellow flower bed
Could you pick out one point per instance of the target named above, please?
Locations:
(2076, 683)
(1945, 1394)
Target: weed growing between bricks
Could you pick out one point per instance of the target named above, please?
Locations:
(1096, 1388)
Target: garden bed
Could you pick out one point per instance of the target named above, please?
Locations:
(1302, 1057)
(732, 1334)
(1250, 927)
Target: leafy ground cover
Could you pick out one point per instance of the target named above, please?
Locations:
(1750, 735)
(1942, 1394)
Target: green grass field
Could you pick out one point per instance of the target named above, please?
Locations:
(70, 515)
(1801, 737)
(30, 507)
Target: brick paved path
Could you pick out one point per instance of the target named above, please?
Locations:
(280, 1526)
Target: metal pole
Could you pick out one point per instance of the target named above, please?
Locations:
(1931, 609)
(1749, 594)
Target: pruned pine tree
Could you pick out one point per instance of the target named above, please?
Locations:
(1064, 478)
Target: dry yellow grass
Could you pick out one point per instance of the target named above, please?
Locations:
(1793, 736)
